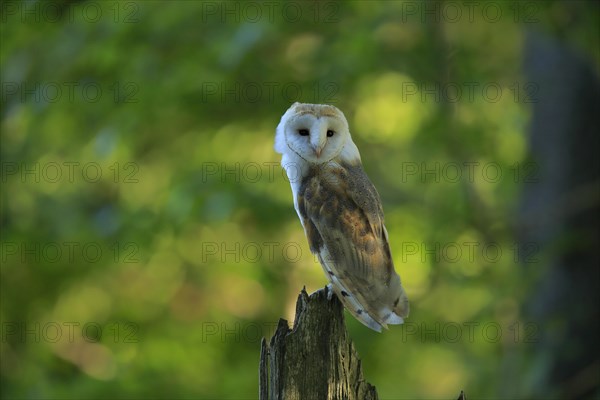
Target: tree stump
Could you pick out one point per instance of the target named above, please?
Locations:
(316, 358)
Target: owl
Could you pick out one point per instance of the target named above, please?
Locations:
(341, 213)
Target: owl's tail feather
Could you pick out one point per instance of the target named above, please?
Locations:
(391, 307)
(353, 306)
(372, 319)
(388, 307)
(394, 306)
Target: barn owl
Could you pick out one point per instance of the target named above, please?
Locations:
(341, 213)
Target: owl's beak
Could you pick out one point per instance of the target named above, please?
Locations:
(318, 150)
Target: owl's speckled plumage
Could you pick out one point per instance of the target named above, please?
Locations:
(341, 213)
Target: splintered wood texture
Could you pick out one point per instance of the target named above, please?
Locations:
(315, 359)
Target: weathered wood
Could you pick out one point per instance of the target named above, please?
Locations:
(263, 389)
(316, 358)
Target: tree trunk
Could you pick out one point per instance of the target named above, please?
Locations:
(560, 214)
(314, 360)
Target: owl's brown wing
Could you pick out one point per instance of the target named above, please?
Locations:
(343, 221)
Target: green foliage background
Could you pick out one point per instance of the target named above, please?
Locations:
(201, 250)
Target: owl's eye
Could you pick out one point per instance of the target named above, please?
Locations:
(303, 132)
(330, 133)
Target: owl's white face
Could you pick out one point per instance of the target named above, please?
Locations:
(315, 133)
(316, 139)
